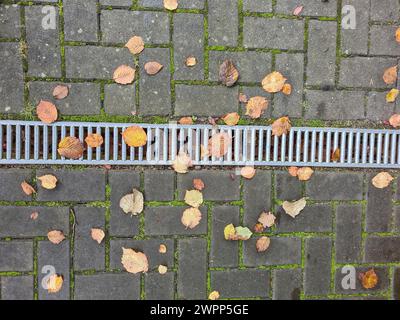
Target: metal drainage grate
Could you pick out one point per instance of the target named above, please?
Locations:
(36, 143)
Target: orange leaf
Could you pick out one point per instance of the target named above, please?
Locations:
(287, 89)
(162, 249)
(256, 106)
(153, 67)
(390, 75)
(97, 235)
(248, 172)
(71, 148)
(191, 61)
(262, 244)
(369, 279)
(134, 262)
(304, 174)
(219, 144)
(186, 120)
(48, 181)
(124, 74)
(273, 82)
(94, 140)
(54, 283)
(281, 126)
(395, 120)
(171, 4)
(191, 218)
(336, 155)
(228, 74)
(55, 236)
(293, 171)
(135, 45)
(135, 136)
(392, 95)
(398, 35)
(46, 111)
(231, 119)
(60, 92)
(27, 188)
(198, 184)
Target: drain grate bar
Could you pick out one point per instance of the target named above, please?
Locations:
(24, 142)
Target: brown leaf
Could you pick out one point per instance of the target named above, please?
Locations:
(293, 171)
(395, 120)
(294, 208)
(134, 262)
(190, 61)
(48, 181)
(54, 283)
(47, 112)
(219, 144)
(287, 89)
(191, 218)
(382, 180)
(194, 198)
(97, 235)
(153, 67)
(27, 188)
(34, 215)
(267, 219)
(262, 244)
(248, 172)
(71, 148)
(369, 279)
(304, 174)
(258, 227)
(336, 155)
(60, 92)
(256, 106)
(186, 121)
(198, 184)
(228, 74)
(162, 269)
(132, 203)
(213, 295)
(231, 119)
(135, 136)
(55, 236)
(182, 162)
(398, 35)
(281, 126)
(392, 95)
(243, 98)
(94, 140)
(273, 82)
(162, 249)
(298, 10)
(390, 75)
(135, 45)
(124, 75)
(171, 4)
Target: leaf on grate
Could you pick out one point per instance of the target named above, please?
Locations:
(55, 236)
(94, 140)
(182, 162)
(231, 119)
(335, 157)
(48, 181)
(273, 82)
(132, 203)
(382, 180)
(134, 262)
(267, 219)
(171, 4)
(153, 67)
(262, 244)
(294, 208)
(390, 75)
(60, 92)
(369, 279)
(27, 188)
(54, 283)
(287, 89)
(394, 120)
(135, 45)
(392, 95)
(124, 75)
(190, 61)
(194, 198)
(281, 126)
(256, 106)
(304, 174)
(186, 121)
(71, 148)
(248, 172)
(135, 136)
(198, 184)
(213, 295)
(97, 234)
(219, 144)
(293, 171)
(47, 112)
(228, 74)
(191, 218)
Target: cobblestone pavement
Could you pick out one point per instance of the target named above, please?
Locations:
(337, 80)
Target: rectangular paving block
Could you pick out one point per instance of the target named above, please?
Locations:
(153, 27)
(17, 288)
(397, 219)
(16, 255)
(10, 187)
(10, 21)
(159, 286)
(166, 220)
(317, 272)
(314, 8)
(241, 283)
(15, 221)
(197, 100)
(382, 249)
(73, 185)
(223, 253)
(377, 107)
(382, 41)
(335, 186)
(182, 4)
(42, 36)
(188, 46)
(385, 10)
(192, 275)
(80, 20)
(348, 233)
(321, 54)
(223, 23)
(285, 34)
(119, 99)
(396, 284)
(257, 5)
(287, 188)
(107, 286)
(287, 284)
(159, 185)
(116, 3)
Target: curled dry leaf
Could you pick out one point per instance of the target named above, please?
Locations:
(182, 162)
(162, 249)
(153, 67)
(186, 121)
(162, 269)
(248, 172)
(190, 61)
(231, 119)
(46, 111)
(294, 208)
(191, 218)
(390, 75)
(287, 89)
(48, 181)
(394, 120)
(213, 295)
(228, 74)
(34, 215)
(71, 148)
(281, 126)
(198, 184)
(273, 82)
(135, 136)
(397, 36)
(267, 219)
(229, 232)
(369, 279)
(392, 95)
(132, 203)
(171, 4)
(336, 155)
(56, 236)
(54, 283)
(134, 262)
(293, 171)
(243, 98)
(194, 198)
(298, 10)
(94, 140)
(219, 144)
(256, 106)
(382, 180)
(135, 45)
(97, 235)
(27, 188)
(60, 92)
(124, 74)
(304, 174)
(262, 244)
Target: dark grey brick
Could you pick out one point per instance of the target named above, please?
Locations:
(16, 221)
(334, 105)
(385, 10)
(377, 107)
(287, 284)
(397, 219)
(348, 233)
(159, 286)
(80, 20)
(247, 283)
(223, 23)
(282, 33)
(17, 288)
(382, 249)
(335, 186)
(83, 98)
(44, 53)
(382, 285)
(253, 92)
(321, 54)
(205, 100)
(182, 4)
(224, 253)
(16, 256)
(287, 187)
(73, 185)
(119, 100)
(159, 185)
(155, 91)
(187, 46)
(10, 21)
(382, 41)
(107, 287)
(10, 188)
(192, 273)
(396, 284)
(117, 3)
(90, 62)
(281, 251)
(257, 5)
(311, 8)
(88, 254)
(167, 221)
(153, 27)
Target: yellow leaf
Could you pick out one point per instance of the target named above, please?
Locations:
(48, 181)
(191, 218)
(294, 208)
(135, 136)
(134, 262)
(132, 203)
(54, 283)
(273, 82)
(398, 35)
(171, 4)
(392, 95)
(162, 269)
(229, 232)
(194, 198)
(382, 180)
(213, 295)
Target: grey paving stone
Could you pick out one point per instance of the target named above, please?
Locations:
(382, 249)
(396, 284)
(182, 4)
(257, 5)
(159, 286)
(44, 53)
(223, 253)
(107, 287)
(283, 33)
(88, 254)
(334, 105)
(10, 187)
(10, 21)
(72, 185)
(205, 100)
(155, 91)
(17, 288)
(159, 185)
(377, 107)
(247, 283)
(335, 186)
(252, 66)
(188, 40)
(287, 284)
(364, 72)
(385, 10)
(192, 273)
(311, 7)
(223, 23)
(16, 255)
(219, 186)
(149, 247)
(52, 258)
(119, 100)
(83, 98)
(382, 41)
(321, 54)
(317, 272)
(281, 251)
(16, 222)
(90, 62)
(287, 187)
(348, 233)
(292, 67)
(80, 20)
(121, 183)
(397, 219)
(382, 285)
(166, 220)
(117, 3)
(11, 79)
(253, 92)
(153, 27)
